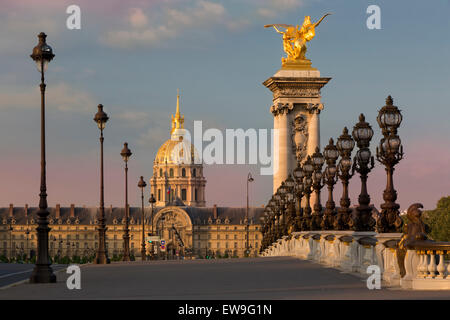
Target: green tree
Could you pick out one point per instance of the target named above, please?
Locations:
(439, 220)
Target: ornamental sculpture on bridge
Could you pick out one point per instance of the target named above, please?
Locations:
(295, 39)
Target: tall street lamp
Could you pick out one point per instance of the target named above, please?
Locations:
(290, 198)
(142, 185)
(101, 256)
(152, 201)
(247, 251)
(329, 178)
(308, 168)
(389, 153)
(363, 163)
(42, 273)
(277, 207)
(345, 145)
(126, 154)
(283, 202)
(299, 174)
(317, 160)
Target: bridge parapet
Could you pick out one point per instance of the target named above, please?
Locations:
(423, 267)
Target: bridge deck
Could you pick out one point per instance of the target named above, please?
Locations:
(252, 278)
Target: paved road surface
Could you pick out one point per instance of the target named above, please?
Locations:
(14, 272)
(252, 278)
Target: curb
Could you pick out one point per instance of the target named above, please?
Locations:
(26, 280)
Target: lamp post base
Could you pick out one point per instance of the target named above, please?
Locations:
(101, 259)
(42, 273)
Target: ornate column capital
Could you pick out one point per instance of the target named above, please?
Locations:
(281, 108)
(314, 107)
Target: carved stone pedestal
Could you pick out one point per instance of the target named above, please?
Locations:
(296, 108)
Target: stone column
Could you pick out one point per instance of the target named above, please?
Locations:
(295, 93)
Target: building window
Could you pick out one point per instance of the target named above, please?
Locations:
(160, 173)
(159, 194)
(235, 237)
(195, 194)
(171, 172)
(194, 172)
(183, 194)
(235, 245)
(183, 172)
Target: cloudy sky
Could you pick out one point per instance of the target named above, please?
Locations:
(131, 56)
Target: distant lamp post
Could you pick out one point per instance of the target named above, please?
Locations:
(10, 228)
(283, 215)
(345, 145)
(329, 178)
(308, 169)
(389, 153)
(363, 163)
(317, 160)
(152, 201)
(299, 174)
(142, 185)
(126, 154)
(101, 255)
(247, 250)
(27, 233)
(42, 273)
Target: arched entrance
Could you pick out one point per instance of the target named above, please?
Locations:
(174, 226)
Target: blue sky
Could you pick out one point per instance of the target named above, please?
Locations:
(132, 57)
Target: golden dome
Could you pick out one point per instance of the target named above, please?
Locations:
(177, 152)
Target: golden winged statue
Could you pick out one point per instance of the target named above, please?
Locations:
(295, 39)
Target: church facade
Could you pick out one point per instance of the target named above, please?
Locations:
(180, 216)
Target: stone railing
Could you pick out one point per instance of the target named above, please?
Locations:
(423, 266)
(426, 267)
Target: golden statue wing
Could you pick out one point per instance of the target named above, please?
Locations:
(320, 20)
(278, 25)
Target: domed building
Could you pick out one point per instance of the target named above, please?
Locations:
(180, 216)
(177, 169)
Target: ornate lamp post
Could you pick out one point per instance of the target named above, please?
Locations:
(345, 145)
(362, 133)
(283, 214)
(277, 198)
(298, 176)
(317, 160)
(42, 273)
(247, 227)
(273, 218)
(389, 153)
(10, 229)
(102, 255)
(290, 197)
(329, 178)
(27, 233)
(308, 168)
(152, 201)
(126, 154)
(142, 185)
